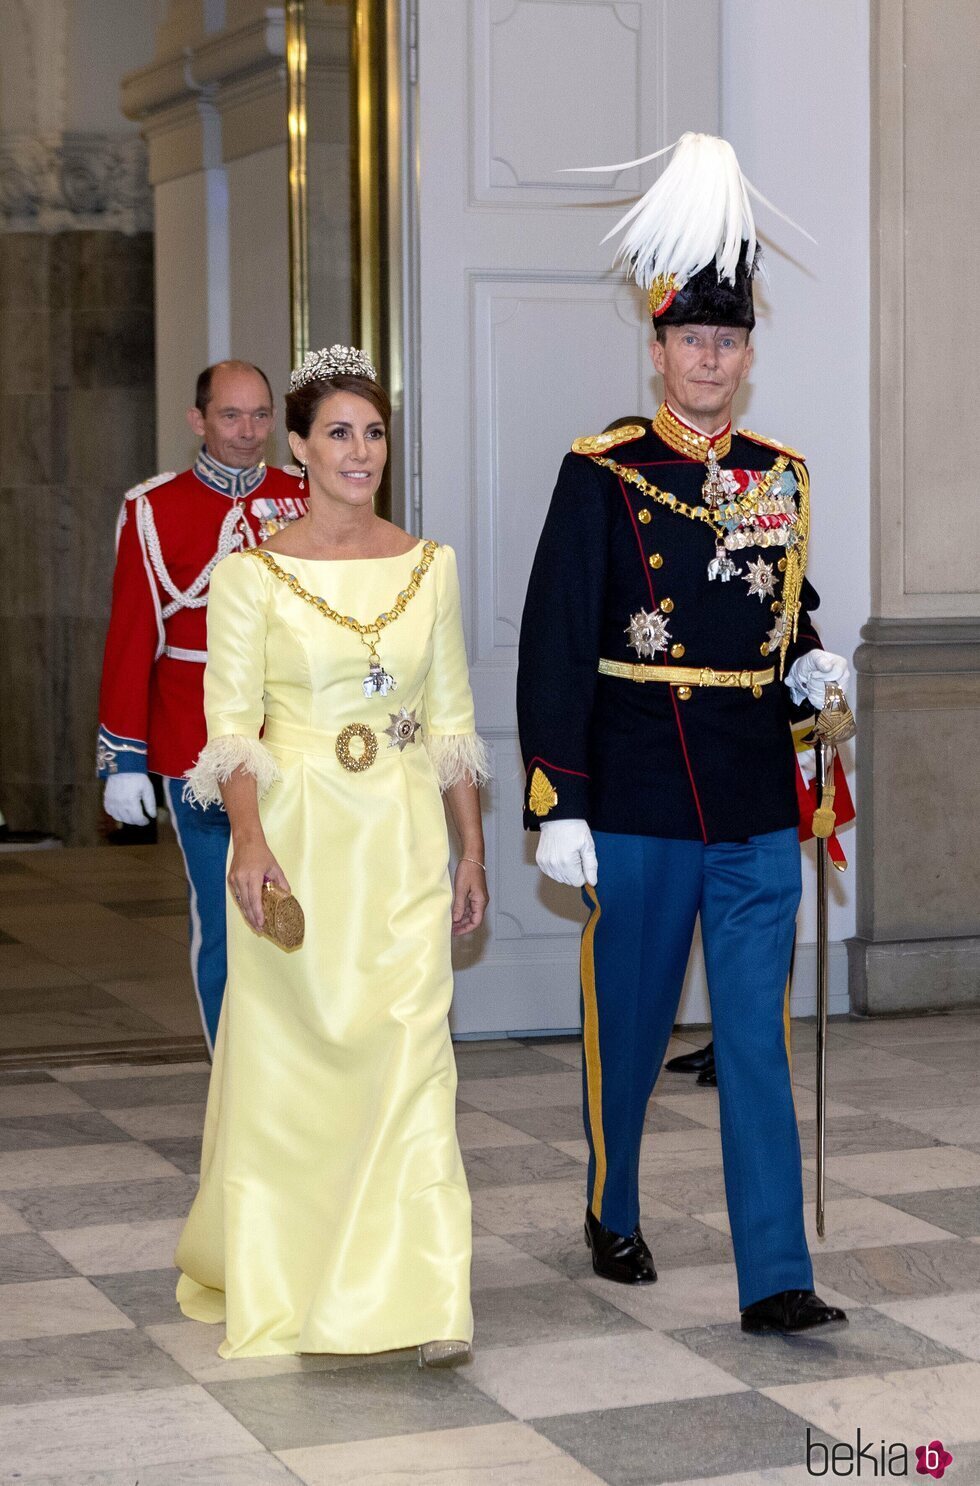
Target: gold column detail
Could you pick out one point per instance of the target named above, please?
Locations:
(368, 177)
(299, 281)
(384, 168)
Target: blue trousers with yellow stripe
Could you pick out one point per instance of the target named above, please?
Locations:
(204, 837)
(635, 949)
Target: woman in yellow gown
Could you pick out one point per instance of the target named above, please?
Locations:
(333, 1213)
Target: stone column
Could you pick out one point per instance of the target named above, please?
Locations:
(917, 945)
(76, 399)
(212, 108)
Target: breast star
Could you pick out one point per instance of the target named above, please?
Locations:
(760, 578)
(403, 729)
(647, 633)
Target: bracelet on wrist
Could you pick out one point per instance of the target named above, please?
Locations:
(474, 861)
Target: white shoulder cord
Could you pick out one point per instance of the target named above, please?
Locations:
(230, 539)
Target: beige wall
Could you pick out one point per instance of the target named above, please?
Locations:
(76, 378)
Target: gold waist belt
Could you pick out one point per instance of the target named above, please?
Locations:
(687, 675)
(356, 746)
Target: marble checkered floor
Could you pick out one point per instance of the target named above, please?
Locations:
(574, 1380)
(93, 953)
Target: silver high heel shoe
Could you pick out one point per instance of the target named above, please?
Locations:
(443, 1353)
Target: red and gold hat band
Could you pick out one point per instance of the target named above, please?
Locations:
(663, 292)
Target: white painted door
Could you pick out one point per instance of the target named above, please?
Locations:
(527, 339)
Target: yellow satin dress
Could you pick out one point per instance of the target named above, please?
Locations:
(333, 1213)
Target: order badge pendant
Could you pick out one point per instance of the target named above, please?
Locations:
(377, 682)
(721, 566)
(719, 485)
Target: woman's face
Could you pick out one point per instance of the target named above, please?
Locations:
(346, 451)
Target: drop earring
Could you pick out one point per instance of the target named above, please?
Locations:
(302, 478)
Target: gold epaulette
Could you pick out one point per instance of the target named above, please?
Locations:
(599, 443)
(760, 438)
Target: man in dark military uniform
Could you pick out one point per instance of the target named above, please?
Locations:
(667, 638)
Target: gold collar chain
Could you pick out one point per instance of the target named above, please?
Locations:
(378, 681)
(687, 441)
(365, 631)
(744, 506)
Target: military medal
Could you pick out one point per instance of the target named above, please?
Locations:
(648, 633)
(775, 636)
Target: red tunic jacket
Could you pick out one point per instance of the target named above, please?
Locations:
(173, 529)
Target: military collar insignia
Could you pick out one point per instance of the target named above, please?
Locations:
(235, 484)
(690, 442)
(599, 443)
(760, 438)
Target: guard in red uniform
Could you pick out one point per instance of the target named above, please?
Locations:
(173, 529)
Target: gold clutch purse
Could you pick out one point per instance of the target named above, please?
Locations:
(285, 924)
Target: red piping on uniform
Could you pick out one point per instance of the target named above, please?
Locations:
(639, 542)
(687, 764)
(538, 760)
(677, 715)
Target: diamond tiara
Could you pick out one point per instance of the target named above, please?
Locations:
(339, 361)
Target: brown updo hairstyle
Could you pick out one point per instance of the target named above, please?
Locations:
(302, 405)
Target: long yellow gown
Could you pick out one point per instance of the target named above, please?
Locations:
(333, 1213)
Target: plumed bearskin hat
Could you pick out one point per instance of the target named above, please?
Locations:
(690, 241)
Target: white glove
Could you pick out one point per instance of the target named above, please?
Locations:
(129, 799)
(566, 852)
(807, 677)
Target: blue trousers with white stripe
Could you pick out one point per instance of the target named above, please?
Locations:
(635, 950)
(204, 835)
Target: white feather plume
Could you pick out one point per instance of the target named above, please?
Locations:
(696, 212)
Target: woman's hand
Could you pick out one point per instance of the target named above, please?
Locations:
(253, 864)
(470, 897)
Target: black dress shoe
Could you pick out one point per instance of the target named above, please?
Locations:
(692, 1062)
(791, 1310)
(615, 1256)
(708, 1077)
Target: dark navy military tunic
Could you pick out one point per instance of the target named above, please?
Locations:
(636, 758)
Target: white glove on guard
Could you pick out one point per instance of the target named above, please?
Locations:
(807, 677)
(129, 799)
(566, 852)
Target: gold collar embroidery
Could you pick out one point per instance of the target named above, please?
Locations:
(687, 441)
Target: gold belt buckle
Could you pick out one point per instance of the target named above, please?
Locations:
(707, 677)
(356, 763)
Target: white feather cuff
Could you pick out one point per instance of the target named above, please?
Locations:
(219, 759)
(457, 757)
